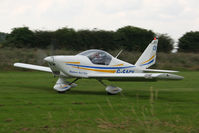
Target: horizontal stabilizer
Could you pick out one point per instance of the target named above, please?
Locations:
(33, 67)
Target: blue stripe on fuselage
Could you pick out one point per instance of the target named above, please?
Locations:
(99, 67)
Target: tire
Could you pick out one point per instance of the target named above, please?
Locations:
(110, 93)
(61, 92)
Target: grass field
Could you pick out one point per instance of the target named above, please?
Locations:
(29, 104)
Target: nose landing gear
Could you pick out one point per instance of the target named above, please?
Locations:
(62, 85)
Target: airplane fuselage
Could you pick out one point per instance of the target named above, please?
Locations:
(81, 66)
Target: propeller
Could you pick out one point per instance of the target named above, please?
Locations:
(42, 53)
(52, 47)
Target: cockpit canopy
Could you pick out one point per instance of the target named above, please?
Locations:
(98, 57)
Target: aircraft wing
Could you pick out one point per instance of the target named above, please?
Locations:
(135, 76)
(158, 70)
(34, 67)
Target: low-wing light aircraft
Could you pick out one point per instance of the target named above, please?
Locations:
(100, 65)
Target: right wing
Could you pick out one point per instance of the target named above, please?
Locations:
(134, 76)
(158, 70)
(34, 67)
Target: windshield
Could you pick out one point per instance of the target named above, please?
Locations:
(99, 57)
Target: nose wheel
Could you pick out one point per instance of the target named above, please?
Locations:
(62, 85)
(111, 90)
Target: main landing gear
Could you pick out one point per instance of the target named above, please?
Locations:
(111, 90)
(62, 85)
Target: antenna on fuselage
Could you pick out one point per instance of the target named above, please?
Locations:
(119, 53)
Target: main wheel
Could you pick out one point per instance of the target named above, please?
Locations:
(61, 92)
(111, 93)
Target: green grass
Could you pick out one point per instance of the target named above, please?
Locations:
(29, 104)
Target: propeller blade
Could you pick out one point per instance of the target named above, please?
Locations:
(40, 55)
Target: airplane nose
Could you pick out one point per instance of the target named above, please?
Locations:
(49, 59)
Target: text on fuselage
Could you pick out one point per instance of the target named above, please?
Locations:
(124, 71)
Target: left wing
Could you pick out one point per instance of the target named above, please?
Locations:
(34, 67)
(135, 76)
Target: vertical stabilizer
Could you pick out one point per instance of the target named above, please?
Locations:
(148, 57)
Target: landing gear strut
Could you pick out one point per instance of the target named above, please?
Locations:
(111, 90)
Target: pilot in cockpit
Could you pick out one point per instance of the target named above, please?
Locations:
(98, 58)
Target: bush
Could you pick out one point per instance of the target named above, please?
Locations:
(129, 38)
(179, 61)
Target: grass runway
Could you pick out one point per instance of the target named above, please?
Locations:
(29, 104)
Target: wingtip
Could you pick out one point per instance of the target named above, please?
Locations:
(14, 64)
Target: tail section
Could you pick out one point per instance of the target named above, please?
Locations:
(148, 57)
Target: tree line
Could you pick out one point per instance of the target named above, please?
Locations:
(128, 38)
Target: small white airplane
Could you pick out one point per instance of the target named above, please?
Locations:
(100, 65)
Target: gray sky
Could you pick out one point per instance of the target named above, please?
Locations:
(174, 17)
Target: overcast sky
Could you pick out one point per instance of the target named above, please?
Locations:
(174, 17)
